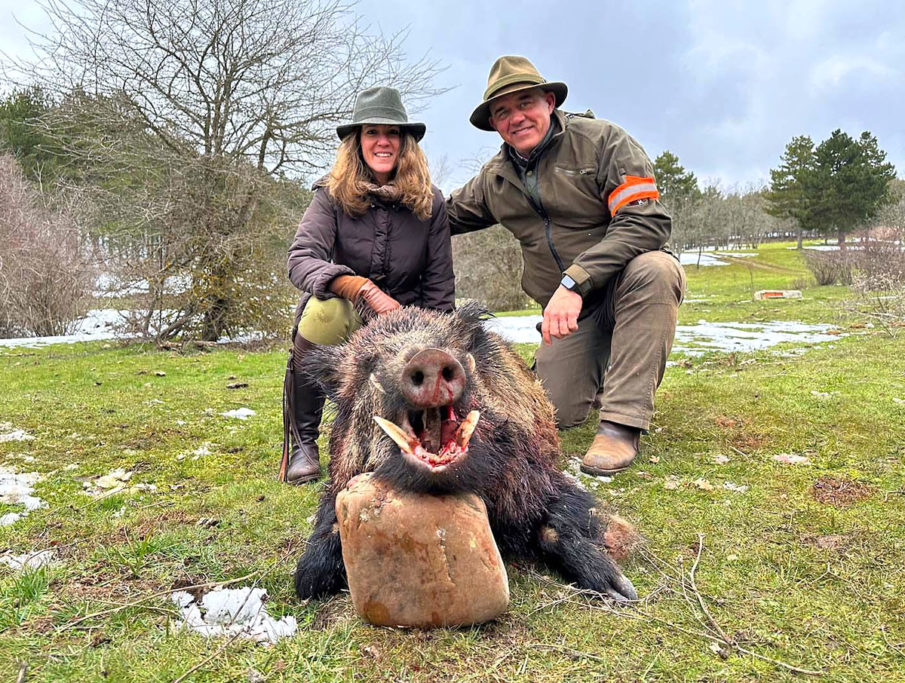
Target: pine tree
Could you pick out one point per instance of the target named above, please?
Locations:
(850, 182)
(788, 196)
(674, 182)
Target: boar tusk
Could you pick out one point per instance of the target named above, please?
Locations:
(376, 383)
(396, 433)
(470, 363)
(466, 429)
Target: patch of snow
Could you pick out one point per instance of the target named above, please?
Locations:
(712, 258)
(239, 413)
(233, 612)
(106, 285)
(98, 324)
(694, 340)
(828, 247)
(518, 329)
(35, 560)
(738, 488)
(7, 433)
(17, 489)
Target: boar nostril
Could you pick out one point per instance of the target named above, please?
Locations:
(417, 378)
(448, 373)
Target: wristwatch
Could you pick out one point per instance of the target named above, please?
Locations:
(569, 283)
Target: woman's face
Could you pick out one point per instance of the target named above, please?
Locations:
(380, 149)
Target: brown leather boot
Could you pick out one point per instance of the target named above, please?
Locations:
(304, 464)
(614, 448)
(303, 405)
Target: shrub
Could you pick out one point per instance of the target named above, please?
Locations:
(830, 267)
(46, 276)
(488, 267)
(881, 262)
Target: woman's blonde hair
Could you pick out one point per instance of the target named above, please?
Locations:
(350, 177)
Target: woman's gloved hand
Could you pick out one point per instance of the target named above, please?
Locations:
(356, 288)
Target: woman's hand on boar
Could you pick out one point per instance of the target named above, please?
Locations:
(356, 288)
(379, 301)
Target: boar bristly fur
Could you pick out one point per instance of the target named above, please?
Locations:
(535, 511)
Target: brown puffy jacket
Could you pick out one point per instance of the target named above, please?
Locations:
(408, 258)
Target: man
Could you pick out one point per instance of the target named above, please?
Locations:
(580, 197)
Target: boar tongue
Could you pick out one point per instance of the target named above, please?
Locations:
(430, 437)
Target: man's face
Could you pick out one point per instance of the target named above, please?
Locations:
(523, 118)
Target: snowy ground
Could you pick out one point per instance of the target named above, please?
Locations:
(108, 286)
(238, 612)
(693, 339)
(712, 258)
(16, 489)
(98, 325)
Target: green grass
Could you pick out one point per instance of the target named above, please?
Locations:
(789, 577)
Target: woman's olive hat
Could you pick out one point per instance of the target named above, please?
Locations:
(382, 106)
(511, 74)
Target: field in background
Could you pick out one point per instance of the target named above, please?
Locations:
(770, 491)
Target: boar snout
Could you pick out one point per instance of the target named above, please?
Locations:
(433, 378)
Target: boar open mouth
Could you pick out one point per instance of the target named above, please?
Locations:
(433, 437)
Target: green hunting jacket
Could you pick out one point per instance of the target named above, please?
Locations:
(587, 168)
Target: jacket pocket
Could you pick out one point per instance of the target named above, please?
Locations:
(575, 171)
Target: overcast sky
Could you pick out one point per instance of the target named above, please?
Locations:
(722, 84)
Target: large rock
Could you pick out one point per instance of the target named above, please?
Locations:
(417, 559)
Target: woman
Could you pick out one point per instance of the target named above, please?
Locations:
(375, 237)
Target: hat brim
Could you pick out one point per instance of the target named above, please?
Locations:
(480, 117)
(416, 129)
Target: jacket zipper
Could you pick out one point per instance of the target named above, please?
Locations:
(548, 226)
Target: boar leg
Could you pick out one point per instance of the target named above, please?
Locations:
(320, 571)
(571, 539)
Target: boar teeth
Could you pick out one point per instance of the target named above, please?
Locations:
(396, 433)
(466, 429)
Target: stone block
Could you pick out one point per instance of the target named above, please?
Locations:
(419, 560)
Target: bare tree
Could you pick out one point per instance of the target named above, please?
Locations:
(217, 100)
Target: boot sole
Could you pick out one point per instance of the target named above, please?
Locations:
(303, 480)
(597, 472)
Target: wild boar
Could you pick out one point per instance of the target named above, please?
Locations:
(434, 402)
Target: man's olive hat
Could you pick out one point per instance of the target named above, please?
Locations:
(511, 74)
(380, 105)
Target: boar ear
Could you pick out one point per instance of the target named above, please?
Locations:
(472, 315)
(473, 312)
(324, 365)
